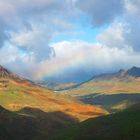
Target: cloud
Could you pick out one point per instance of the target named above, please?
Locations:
(29, 27)
(32, 24)
(132, 18)
(83, 59)
(33, 42)
(114, 36)
(122, 18)
(132, 8)
(101, 12)
(124, 32)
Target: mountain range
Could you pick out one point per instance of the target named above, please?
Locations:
(110, 90)
(122, 74)
(123, 81)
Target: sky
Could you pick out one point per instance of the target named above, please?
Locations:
(69, 40)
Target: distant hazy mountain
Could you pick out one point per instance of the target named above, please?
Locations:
(135, 72)
(123, 81)
(57, 86)
(108, 76)
(120, 75)
(111, 90)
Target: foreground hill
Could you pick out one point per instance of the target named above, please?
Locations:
(32, 124)
(124, 125)
(112, 91)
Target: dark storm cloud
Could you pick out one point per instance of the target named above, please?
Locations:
(100, 11)
(132, 18)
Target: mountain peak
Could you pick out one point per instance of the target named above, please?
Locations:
(121, 71)
(120, 75)
(4, 72)
(7, 76)
(2, 68)
(134, 67)
(134, 71)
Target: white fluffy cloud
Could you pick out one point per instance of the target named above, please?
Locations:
(84, 58)
(132, 8)
(125, 31)
(113, 36)
(33, 24)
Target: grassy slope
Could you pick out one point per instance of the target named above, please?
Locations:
(105, 87)
(36, 113)
(19, 95)
(120, 126)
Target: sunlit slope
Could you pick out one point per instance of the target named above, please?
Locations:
(106, 87)
(17, 93)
